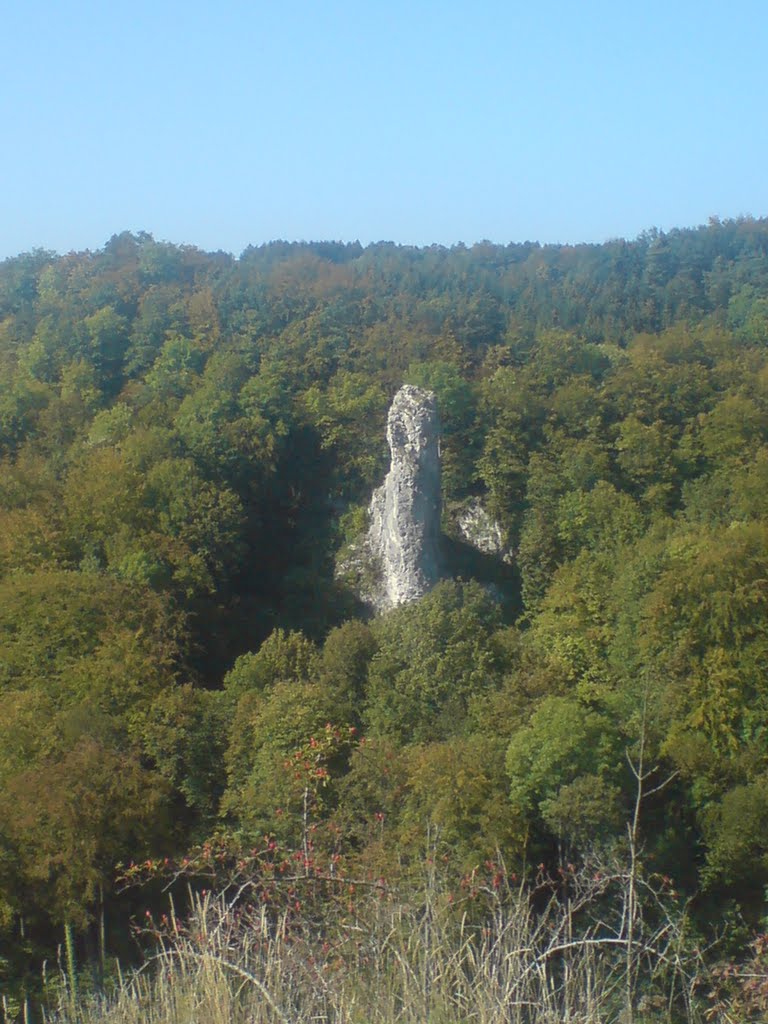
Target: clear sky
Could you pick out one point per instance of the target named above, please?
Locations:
(226, 123)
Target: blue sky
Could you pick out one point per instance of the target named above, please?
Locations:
(221, 124)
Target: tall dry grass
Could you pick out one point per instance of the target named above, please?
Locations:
(532, 957)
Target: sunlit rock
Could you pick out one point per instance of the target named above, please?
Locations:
(476, 528)
(404, 534)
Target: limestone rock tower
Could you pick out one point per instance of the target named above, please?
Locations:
(404, 533)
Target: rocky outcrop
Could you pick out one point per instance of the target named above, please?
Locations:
(480, 531)
(404, 535)
(403, 553)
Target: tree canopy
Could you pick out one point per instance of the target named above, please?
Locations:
(187, 439)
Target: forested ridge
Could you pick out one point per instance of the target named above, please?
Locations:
(188, 439)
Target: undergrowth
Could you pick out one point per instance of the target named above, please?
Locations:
(489, 951)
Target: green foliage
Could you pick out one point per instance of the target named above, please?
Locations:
(51, 622)
(456, 789)
(72, 816)
(350, 416)
(104, 338)
(736, 829)
(600, 519)
(585, 811)
(344, 662)
(565, 741)
(431, 658)
(282, 657)
(110, 426)
(513, 412)
(186, 439)
(277, 707)
(460, 436)
(176, 368)
(184, 734)
(265, 788)
(200, 523)
(83, 659)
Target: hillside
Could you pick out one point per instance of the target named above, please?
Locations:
(187, 440)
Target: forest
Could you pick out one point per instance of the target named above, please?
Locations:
(188, 440)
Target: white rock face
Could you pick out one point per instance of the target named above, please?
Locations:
(483, 533)
(404, 534)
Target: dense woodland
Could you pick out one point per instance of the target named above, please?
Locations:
(187, 440)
